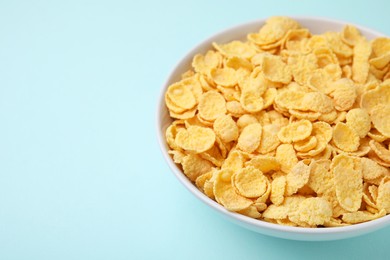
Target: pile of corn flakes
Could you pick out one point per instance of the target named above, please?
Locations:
(288, 127)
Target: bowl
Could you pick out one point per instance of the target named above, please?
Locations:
(315, 25)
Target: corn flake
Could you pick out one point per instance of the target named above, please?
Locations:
(250, 182)
(205, 63)
(226, 194)
(278, 187)
(295, 131)
(315, 211)
(361, 216)
(345, 138)
(235, 49)
(269, 139)
(264, 163)
(306, 145)
(360, 66)
(194, 166)
(297, 178)
(383, 199)
(380, 119)
(380, 151)
(359, 120)
(348, 180)
(250, 137)
(286, 156)
(225, 77)
(211, 105)
(226, 128)
(195, 139)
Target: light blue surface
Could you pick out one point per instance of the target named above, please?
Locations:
(81, 175)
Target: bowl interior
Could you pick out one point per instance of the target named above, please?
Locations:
(316, 26)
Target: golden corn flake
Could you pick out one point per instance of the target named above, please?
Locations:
(380, 119)
(238, 63)
(250, 137)
(170, 135)
(234, 108)
(361, 216)
(195, 139)
(315, 211)
(329, 117)
(172, 106)
(275, 69)
(177, 156)
(264, 163)
(373, 190)
(286, 156)
(375, 135)
(290, 99)
(360, 66)
(213, 155)
(306, 145)
(371, 169)
(269, 97)
(380, 151)
(185, 115)
(276, 212)
(359, 120)
(381, 46)
(250, 182)
(208, 189)
(375, 97)
(323, 133)
(201, 180)
(246, 120)
(383, 200)
(325, 154)
(295, 131)
(273, 31)
(293, 203)
(194, 166)
(317, 102)
(265, 197)
(320, 179)
(252, 100)
(381, 53)
(225, 77)
(205, 63)
(269, 139)
(287, 127)
(350, 35)
(211, 105)
(341, 49)
(251, 212)
(278, 187)
(320, 81)
(344, 94)
(234, 161)
(226, 194)
(297, 178)
(302, 66)
(348, 180)
(226, 128)
(345, 138)
(235, 49)
(181, 96)
(311, 116)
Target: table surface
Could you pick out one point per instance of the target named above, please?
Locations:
(81, 174)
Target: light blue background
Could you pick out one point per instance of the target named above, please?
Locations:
(81, 175)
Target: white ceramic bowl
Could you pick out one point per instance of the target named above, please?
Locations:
(315, 25)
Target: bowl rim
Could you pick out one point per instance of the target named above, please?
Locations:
(363, 228)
